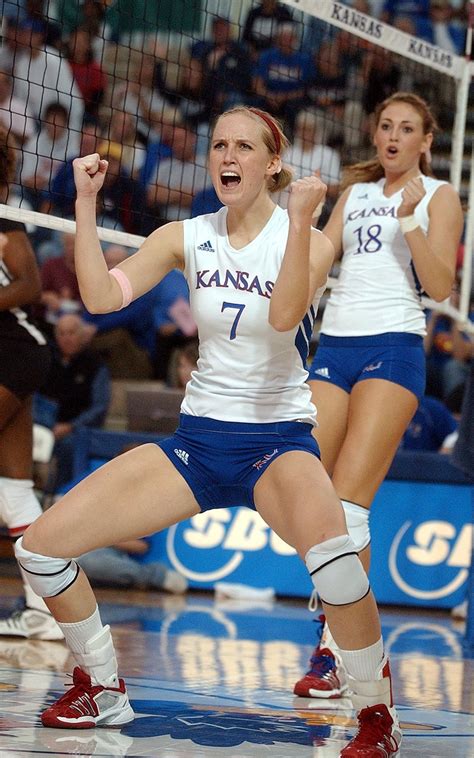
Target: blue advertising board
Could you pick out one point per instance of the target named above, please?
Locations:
(421, 525)
(421, 538)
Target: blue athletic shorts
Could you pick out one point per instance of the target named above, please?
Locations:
(397, 357)
(222, 461)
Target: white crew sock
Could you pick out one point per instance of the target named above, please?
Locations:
(363, 664)
(91, 645)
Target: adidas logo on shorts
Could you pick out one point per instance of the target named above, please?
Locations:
(207, 247)
(182, 454)
(322, 372)
(372, 366)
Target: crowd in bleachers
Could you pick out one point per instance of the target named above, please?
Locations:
(148, 110)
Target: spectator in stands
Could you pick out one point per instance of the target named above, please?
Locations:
(173, 322)
(261, 25)
(190, 96)
(117, 566)
(439, 28)
(281, 75)
(178, 178)
(62, 188)
(333, 90)
(78, 385)
(45, 153)
(88, 74)
(125, 339)
(225, 67)
(60, 289)
(42, 76)
(145, 98)
(449, 350)
(431, 428)
(14, 115)
(398, 231)
(416, 9)
(15, 11)
(307, 154)
(122, 130)
(382, 78)
(122, 198)
(36, 11)
(9, 43)
(24, 361)
(186, 362)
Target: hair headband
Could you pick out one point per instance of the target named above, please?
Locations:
(271, 125)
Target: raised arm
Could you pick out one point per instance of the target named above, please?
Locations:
(161, 251)
(335, 224)
(307, 260)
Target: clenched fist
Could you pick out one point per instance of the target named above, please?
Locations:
(89, 174)
(412, 193)
(307, 197)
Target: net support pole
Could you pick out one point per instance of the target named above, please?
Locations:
(459, 128)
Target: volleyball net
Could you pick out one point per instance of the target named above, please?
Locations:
(141, 82)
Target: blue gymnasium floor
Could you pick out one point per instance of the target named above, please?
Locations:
(214, 679)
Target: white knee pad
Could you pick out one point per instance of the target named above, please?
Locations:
(357, 520)
(337, 572)
(48, 577)
(19, 504)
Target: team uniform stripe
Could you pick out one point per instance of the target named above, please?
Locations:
(18, 313)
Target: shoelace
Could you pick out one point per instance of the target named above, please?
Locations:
(374, 727)
(321, 664)
(77, 689)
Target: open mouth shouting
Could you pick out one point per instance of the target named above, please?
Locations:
(230, 179)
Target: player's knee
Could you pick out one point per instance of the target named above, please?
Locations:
(357, 520)
(47, 576)
(337, 572)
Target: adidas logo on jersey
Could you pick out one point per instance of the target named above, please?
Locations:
(207, 247)
(182, 454)
(322, 372)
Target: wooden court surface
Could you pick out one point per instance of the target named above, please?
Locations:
(212, 678)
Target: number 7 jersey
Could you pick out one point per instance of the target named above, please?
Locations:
(247, 371)
(377, 290)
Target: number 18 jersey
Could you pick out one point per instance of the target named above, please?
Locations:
(377, 290)
(247, 371)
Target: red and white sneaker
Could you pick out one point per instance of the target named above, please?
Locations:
(325, 678)
(87, 705)
(379, 734)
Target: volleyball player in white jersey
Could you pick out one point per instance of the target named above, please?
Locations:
(24, 362)
(398, 230)
(255, 274)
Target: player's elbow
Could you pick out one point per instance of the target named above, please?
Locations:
(96, 307)
(440, 293)
(283, 323)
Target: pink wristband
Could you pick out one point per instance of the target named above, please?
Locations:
(124, 284)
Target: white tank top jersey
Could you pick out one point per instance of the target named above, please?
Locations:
(247, 371)
(377, 290)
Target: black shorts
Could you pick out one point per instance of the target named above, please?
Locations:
(24, 366)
